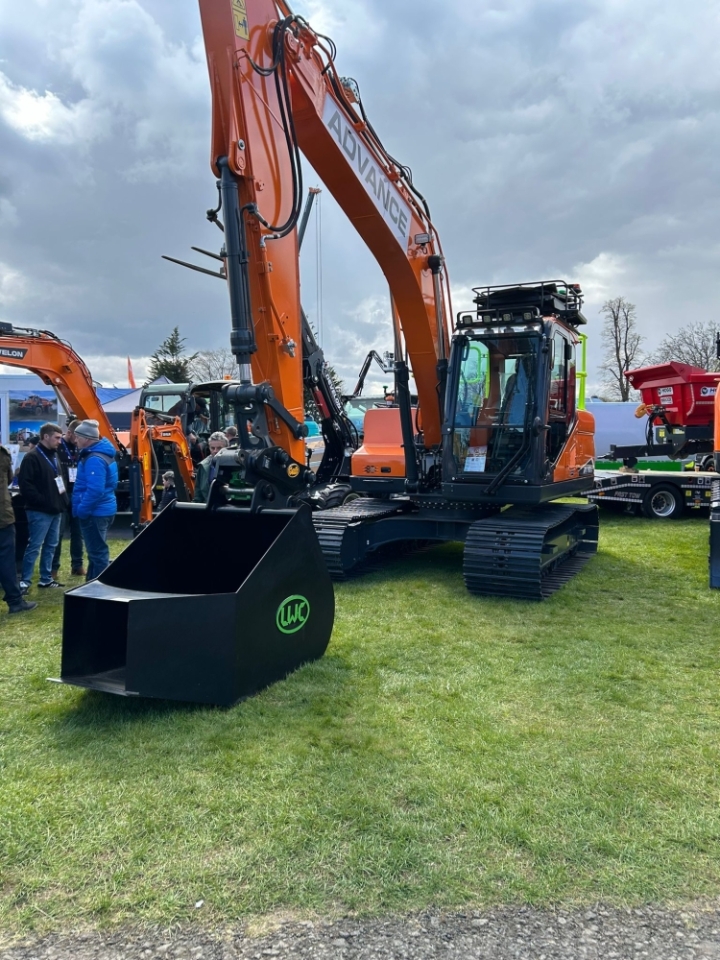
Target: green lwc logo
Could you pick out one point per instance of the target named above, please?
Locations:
(292, 614)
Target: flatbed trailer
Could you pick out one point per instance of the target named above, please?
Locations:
(657, 494)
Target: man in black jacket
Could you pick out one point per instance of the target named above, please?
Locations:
(68, 455)
(8, 574)
(43, 489)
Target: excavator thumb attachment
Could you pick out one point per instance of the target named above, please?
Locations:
(204, 605)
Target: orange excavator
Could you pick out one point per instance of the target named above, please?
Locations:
(494, 437)
(143, 476)
(495, 424)
(60, 367)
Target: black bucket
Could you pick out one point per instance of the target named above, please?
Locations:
(205, 606)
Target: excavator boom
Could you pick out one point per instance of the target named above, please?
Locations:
(57, 365)
(276, 92)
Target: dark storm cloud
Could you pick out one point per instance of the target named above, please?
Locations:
(104, 182)
(556, 138)
(549, 137)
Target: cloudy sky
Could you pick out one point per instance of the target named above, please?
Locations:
(551, 138)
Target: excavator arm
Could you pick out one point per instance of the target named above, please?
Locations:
(386, 364)
(276, 93)
(57, 365)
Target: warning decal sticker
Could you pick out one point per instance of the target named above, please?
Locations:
(240, 20)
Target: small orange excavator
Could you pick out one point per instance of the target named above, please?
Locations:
(60, 367)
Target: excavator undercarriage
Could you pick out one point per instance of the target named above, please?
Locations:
(519, 552)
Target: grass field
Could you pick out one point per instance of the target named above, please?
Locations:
(446, 751)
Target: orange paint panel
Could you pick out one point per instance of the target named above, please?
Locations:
(579, 449)
(381, 454)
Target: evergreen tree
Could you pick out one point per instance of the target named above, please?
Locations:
(169, 361)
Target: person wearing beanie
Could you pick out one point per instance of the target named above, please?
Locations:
(93, 500)
(44, 494)
(68, 456)
(8, 574)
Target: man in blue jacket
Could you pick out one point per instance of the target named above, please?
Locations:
(93, 499)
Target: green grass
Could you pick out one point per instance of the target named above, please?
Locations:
(446, 751)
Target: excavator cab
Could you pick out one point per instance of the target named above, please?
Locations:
(211, 409)
(512, 430)
(496, 390)
(163, 402)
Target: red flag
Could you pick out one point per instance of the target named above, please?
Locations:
(131, 378)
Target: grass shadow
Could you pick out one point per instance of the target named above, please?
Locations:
(310, 688)
(404, 561)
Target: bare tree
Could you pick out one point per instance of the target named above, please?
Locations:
(621, 346)
(213, 365)
(696, 344)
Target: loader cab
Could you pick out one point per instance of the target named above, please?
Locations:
(164, 401)
(212, 410)
(201, 406)
(510, 400)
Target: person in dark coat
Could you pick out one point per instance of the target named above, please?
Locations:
(169, 490)
(8, 574)
(94, 500)
(196, 449)
(43, 490)
(205, 473)
(68, 455)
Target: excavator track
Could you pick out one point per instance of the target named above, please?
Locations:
(332, 525)
(529, 553)
(524, 552)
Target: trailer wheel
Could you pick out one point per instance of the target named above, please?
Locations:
(663, 502)
(707, 463)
